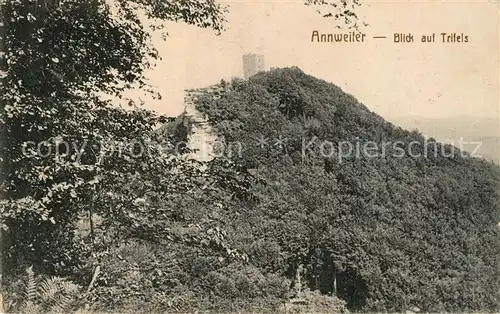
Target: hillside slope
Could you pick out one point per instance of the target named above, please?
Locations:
(374, 213)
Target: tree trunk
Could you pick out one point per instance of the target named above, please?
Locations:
(334, 280)
(3, 63)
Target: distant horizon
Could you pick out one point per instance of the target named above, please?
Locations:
(460, 115)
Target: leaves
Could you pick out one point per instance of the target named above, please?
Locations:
(342, 12)
(42, 295)
(381, 228)
(64, 145)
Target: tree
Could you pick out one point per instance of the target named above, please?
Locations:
(60, 56)
(387, 232)
(342, 12)
(57, 130)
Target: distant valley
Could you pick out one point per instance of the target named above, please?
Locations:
(470, 130)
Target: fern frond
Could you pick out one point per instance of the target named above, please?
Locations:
(30, 308)
(48, 289)
(54, 295)
(62, 304)
(68, 287)
(57, 294)
(29, 289)
(31, 285)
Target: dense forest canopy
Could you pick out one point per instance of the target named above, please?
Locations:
(393, 231)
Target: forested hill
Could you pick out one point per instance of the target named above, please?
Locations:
(390, 219)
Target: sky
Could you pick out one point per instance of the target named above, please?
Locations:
(392, 79)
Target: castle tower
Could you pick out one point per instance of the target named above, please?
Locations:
(252, 64)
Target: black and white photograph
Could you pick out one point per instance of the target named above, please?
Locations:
(249, 156)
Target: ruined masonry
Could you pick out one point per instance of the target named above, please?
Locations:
(203, 137)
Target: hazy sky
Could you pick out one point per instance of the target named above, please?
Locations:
(433, 79)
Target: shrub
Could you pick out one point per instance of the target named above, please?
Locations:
(36, 294)
(315, 302)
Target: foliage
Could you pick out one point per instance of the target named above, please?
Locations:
(343, 12)
(394, 231)
(61, 139)
(171, 236)
(315, 302)
(174, 277)
(177, 133)
(65, 148)
(43, 295)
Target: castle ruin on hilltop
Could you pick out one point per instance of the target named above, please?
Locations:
(252, 64)
(202, 137)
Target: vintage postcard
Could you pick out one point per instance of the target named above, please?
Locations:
(249, 156)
